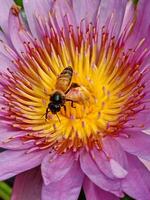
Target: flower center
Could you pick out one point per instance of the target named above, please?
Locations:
(109, 95)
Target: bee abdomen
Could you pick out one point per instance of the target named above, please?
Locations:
(68, 71)
(64, 79)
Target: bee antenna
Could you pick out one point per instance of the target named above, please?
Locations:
(58, 117)
(43, 116)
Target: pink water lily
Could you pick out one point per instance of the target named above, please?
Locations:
(102, 141)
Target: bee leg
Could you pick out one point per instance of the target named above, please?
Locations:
(64, 108)
(46, 114)
(72, 104)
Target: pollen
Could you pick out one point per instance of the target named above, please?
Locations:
(110, 92)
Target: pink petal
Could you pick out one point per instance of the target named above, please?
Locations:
(16, 144)
(4, 12)
(117, 156)
(28, 185)
(103, 163)
(129, 15)
(55, 168)
(33, 9)
(90, 168)
(3, 37)
(5, 63)
(6, 133)
(146, 163)
(117, 169)
(15, 162)
(107, 165)
(137, 184)
(7, 141)
(67, 188)
(91, 190)
(137, 143)
(143, 118)
(5, 56)
(63, 12)
(109, 8)
(15, 28)
(141, 28)
(20, 36)
(85, 10)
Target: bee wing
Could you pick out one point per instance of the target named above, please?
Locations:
(64, 79)
(78, 94)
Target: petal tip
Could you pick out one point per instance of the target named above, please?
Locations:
(15, 9)
(117, 169)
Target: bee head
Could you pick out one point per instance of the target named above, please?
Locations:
(54, 108)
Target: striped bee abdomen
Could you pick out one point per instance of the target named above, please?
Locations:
(64, 79)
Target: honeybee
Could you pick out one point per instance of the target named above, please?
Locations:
(65, 91)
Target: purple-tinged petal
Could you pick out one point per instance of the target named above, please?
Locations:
(68, 188)
(142, 119)
(5, 63)
(20, 36)
(15, 162)
(108, 166)
(141, 28)
(28, 185)
(90, 168)
(146, 163)
(117, 169)
(137, 184)
(108, 10)
(6, 54)
(117, 157)
(10, 139)
(16, 144)
(15, 27)
(3, 37)
(4, 13)
(54, 168)
(7, 133)
(129, 16)
(5, 40)
(85, 10)
(63, 13)
(91, 190)
(135, 142)
(33, 9)
(103, 163)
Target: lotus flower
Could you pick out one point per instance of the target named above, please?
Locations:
(102, 141)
